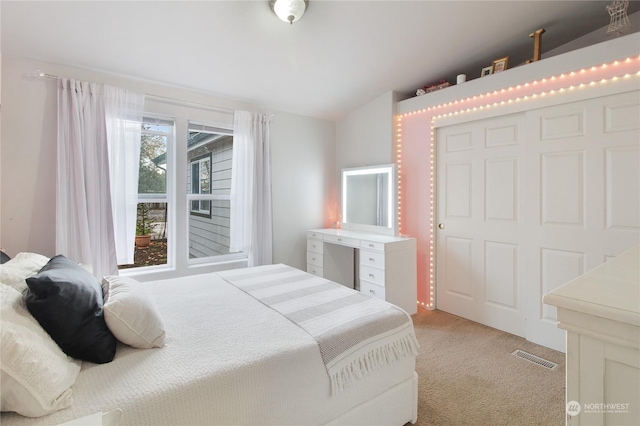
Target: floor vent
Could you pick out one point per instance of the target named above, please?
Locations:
(535, 359)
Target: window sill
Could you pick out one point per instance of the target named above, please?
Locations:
(162, 272)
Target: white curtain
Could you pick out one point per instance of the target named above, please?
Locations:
(84, 226)
(84, 208)
(251, 212)
(124, 110)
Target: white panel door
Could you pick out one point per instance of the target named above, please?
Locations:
(479, 259)
(528, 202)
(583, 197)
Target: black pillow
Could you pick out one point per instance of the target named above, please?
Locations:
(4, 257)
(67, 302)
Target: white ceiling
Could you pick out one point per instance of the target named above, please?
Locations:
(338, 57)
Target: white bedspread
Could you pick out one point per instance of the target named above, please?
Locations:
(228, 359)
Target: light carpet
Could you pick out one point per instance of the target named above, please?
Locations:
(468, 376)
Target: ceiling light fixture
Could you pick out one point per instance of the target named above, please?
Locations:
(289, 10)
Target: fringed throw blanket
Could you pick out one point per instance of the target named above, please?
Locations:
(356, 333)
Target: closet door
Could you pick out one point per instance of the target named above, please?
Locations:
(583, 190)
(528, 202)
(479, 270)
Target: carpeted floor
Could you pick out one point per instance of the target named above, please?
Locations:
(467, 376)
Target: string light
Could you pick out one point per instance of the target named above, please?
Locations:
(461, 107)
(398, 170)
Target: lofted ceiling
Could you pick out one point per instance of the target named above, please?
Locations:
(338, 57)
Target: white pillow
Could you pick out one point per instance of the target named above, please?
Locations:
(36, 375)
(130, 313)
(17, 270)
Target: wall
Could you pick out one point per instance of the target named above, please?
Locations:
(598, 36)
(303, 159)
(365, 137)
(304, 184)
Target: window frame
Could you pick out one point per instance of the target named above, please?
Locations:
(169, 196)
(184, 116)
(206, 213)
(190, 197)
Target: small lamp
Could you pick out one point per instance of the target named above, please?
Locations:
(289, 10)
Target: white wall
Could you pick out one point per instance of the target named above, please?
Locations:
(303, 156)
(598, 36)
(303, 161)
(365, 137)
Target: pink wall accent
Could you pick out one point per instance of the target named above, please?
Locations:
(415, 145)
(415, 206)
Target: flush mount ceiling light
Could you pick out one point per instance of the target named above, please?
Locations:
(289, 10)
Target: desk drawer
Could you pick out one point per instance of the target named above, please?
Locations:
(345, 241)
(372, 258)
(315, 270)
(372, 245)
(314, 259)
(314, 246)
(371, 274)
(312, 234)
(372, 290)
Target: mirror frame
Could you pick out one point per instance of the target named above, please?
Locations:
(390, 170)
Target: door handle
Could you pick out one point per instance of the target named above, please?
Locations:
(441, 225)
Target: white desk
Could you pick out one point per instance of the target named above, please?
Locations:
(601, 312)
(378, 265)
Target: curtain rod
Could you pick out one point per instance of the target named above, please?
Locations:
(41, 75)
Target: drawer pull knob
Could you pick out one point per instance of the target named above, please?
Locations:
(372, 292)
(339, 239)
(371, 276)
(371, 245)
(371, 259)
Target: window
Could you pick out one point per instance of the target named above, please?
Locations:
(201, 184)
(197, 231)
(209, 156)
(153, 204)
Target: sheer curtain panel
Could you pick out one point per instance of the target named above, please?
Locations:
(84, 225)
(124, 111)
(251, 211)
(98, 149)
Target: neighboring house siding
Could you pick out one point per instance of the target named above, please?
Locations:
(209, 236)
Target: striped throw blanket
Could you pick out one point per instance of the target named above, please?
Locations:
(356, 333)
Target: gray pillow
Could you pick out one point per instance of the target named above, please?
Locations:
(67, 302)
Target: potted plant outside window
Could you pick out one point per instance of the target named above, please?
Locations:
(144, 228)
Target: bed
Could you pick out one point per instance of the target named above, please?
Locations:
(236, 353)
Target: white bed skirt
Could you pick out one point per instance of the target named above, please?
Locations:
(396, 406)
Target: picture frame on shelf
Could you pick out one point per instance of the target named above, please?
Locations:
(486, 71)
(500, 65)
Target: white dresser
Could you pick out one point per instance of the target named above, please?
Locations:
(600, 311)
(378, 265)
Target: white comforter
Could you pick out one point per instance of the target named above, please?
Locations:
(228, 359)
